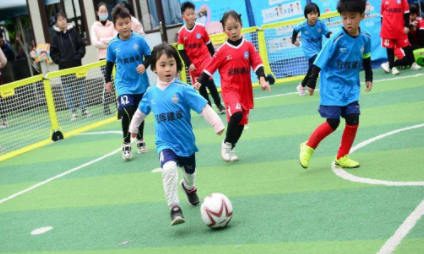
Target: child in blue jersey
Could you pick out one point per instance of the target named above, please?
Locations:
(171, 102)
(131, 54)
(340, 61)
(312, 30)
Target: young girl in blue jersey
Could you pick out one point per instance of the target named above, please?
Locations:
(171, 102)
(131, 54)
(312, 30)
(340, 61)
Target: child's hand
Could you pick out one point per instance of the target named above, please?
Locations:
(192, 67)
(311, 91)
(197, 85)
(141, 69)
(109, 87)
(369, 86)
(133, 135)
(219, 133)
(406, 29)
(264, 85)
(296, 43)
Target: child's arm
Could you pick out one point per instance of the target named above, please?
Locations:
(213, 119)
(146, 53)
(366, 63)
(185, 58)
(294, 37)
(257, 65)
(110, 62)
(136, 121)
(214, 63)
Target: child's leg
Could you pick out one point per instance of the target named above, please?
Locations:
(189, 177)
(204, 92)
(322, 132)
(409, 54)
(233, 135)
(168, 160)
(311, 63)
(391, 57)
(214, 92)
(349, 134)
(127, 115)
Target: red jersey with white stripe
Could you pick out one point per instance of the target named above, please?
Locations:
(234, 67)
(194, 42)
(393, 24)
(419, 25)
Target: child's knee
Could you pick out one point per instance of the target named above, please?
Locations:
(334, 123)
(352, 119)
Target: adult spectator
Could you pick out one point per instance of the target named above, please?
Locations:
(67, 49)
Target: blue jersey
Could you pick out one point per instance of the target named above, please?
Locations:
(312, 37)
(128, 55)
(340, 61)
(171, 108)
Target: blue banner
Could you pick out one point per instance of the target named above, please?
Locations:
(271, 11)
(210, 12)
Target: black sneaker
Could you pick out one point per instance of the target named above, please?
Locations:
(176, 216)
(192, 197)
(221, 109)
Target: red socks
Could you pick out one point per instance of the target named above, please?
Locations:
(348, 137)
(319, 134)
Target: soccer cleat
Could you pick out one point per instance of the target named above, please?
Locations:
(385, 67)
(226, 151)
(141, 147)
(305, 154)
(74, 116)
(415, 67)
(86, 113)
(301, 90)
(233, 156)
(221, 109)
(395, 71)
(192, 197)
(346, 162)
(126, 151)
(176, 216)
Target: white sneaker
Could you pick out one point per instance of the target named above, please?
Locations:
(416, 67)
(86, 113)
(74, 116)
(3, 125)
(226, 151)
(385, 67)
(395, 71)
(141, 147)
(301, 90)
(126, 151)
(233, 156)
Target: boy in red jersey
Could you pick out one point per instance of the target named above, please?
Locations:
(394, 32)
(196, 49)
(234, 60)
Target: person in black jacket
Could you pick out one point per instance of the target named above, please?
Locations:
(67, 49)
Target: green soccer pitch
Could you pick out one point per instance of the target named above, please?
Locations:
(94, 201)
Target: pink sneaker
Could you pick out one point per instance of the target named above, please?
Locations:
(301, 90)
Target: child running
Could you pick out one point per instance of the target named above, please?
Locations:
(127, 50)
(171, 102)
(340, 61)
(234, 60)
(196, 49)
(312, 30)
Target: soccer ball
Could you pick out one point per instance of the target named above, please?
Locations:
(216, 210)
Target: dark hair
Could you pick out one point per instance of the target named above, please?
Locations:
(358, 6)
(98, 8)
(232, 14)
(120, 12)
(187, 5)
(59, 14)
(167, 49)
(127, 6)
(413, 9)
(311, 7)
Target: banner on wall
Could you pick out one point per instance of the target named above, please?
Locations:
(210, 12)
(271, 11)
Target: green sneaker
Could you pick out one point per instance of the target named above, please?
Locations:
(346, 162)
(305, 155)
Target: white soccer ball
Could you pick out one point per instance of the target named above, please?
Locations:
(216, 210)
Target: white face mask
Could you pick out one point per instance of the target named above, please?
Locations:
(103, 17)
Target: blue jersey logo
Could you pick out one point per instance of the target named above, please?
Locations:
(246, 55)
(175, 99)
(198, 36)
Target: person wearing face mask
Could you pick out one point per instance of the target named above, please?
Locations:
(102, 32)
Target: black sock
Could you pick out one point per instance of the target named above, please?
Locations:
(237, 136)
(127, 115)
(140, 131)
(391, 56)
(409, 55)
(305, 80)
(214, 92)
(232, 129)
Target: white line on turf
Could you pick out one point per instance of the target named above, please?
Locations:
(100, 133)
(413, 218)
